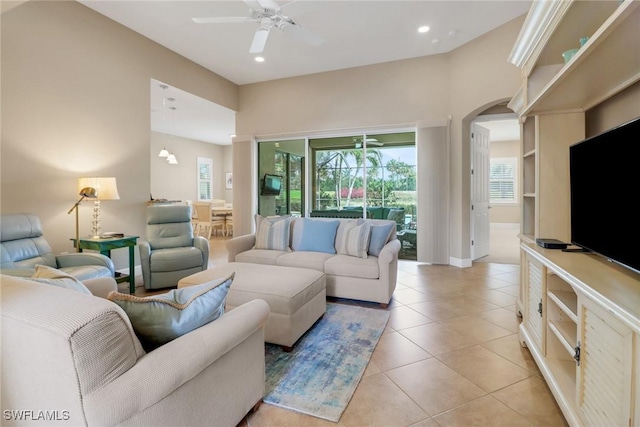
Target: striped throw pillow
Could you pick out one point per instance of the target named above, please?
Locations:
(355, 241)
(272, 234)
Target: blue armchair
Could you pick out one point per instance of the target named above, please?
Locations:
(22, 247)
(171, 251)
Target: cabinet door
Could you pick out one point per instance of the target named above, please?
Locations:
(534, 321)
(604, 383)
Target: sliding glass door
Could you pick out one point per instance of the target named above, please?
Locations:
(354, 176)
(281, 174)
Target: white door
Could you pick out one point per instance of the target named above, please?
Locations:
(479, 192)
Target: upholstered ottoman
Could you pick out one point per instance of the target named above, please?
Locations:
(296, 296)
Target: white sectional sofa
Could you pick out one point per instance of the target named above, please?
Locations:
(369, 276)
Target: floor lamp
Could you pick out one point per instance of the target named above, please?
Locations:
(87, 192)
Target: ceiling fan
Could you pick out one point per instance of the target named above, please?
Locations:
(267, 14)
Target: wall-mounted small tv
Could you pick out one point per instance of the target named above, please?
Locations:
(604, 175)
(271, 185)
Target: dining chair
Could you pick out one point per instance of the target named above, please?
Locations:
(229, 225)
(205, 219)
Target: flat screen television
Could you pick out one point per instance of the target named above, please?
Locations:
(271, 185)
(605, 190)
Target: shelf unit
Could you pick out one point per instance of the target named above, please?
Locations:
(554, 96)
(591, 319)
(586, 342)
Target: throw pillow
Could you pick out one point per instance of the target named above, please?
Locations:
(379, 237)
(55, 277)
(272, 233)
(316, 235)
(355, 239)
(158, 319)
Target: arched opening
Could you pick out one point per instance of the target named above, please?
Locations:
(493, 162)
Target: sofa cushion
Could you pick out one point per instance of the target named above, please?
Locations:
(379, 237)
(260, 256)
(355, 239)
(345, 225)
(272, 233)
(304, 259)
(159, 319)
(55, 277)
(315, 235)
(348, 266)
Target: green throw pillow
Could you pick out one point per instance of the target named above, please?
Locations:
(55, 277)
(159, 319)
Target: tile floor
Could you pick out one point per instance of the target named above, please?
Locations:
(449, 356)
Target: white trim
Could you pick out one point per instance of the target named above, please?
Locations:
(460, 263)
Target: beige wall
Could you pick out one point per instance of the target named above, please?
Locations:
(180, 182)
(75, 98)
(75, 92)
(461, 83)
(499, 213)
(482, 76)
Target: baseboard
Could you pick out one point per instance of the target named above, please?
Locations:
(460, 263)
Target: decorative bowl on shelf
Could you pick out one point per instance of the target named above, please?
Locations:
(568, 54)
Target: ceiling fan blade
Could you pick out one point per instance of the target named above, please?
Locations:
(297, 32)
(259, 40)
(221, 20)
(253, 4)
(269, 4)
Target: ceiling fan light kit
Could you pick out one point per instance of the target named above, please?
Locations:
(267, 14)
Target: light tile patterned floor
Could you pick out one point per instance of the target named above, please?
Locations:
(449, 356)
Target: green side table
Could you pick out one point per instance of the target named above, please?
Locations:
(104, 246)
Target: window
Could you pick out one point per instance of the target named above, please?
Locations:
(205, 179)
(502, 180)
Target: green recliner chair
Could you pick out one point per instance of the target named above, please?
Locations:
(171, 251)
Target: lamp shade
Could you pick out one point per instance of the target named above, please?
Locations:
(106, 188)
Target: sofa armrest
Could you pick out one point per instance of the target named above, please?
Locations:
(239, 244)
(101, 286)
(84, 258)
(389, 252)
(163, 371)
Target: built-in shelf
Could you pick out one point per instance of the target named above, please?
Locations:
(567, 302)
(588, 78)
(565, 333)
(583, 297)
(564, 372)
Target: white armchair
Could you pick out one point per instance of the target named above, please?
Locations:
(77, 354)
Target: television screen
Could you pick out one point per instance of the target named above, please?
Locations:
(605, 188)
(271, 185)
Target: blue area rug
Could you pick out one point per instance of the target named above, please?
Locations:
(322, 372)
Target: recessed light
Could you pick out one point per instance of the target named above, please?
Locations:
(423, 29)
(259, 59)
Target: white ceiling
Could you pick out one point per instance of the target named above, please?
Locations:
(355, 32)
